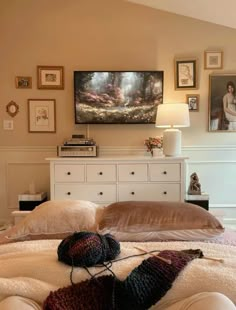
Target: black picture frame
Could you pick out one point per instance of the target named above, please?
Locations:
(117, 97)
(185, 73)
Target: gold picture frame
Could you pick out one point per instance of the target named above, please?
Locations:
(185, 70)
(193, 102)
(42, 115)
(50, 77)
(213, 60)
(23, 82)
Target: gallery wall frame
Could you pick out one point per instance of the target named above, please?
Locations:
(193, 102)
(23, 82)
(50, 77)
(185, 72)
(213, 60)
(42, 115)
(222, 102)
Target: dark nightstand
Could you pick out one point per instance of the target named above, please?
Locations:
(200, 200)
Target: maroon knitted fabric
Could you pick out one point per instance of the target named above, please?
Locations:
(144, 286)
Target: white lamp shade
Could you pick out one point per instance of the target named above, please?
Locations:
(173, 115)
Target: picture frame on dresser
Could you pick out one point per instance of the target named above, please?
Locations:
(50, 77)
(185, 73)
(41, 115)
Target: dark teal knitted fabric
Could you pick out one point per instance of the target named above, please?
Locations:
(144, 286)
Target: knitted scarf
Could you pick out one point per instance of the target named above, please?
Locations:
(143, 287)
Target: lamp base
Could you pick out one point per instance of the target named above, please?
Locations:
(172, 142)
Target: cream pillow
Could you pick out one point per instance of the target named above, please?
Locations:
(158, 220)
(55, 220)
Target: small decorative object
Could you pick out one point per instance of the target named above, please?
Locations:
(50, 77)
(213, 60)
(193, 102)
(42, 115)
(194, 186)
(185, 73)
(12, 108)
(23, 82)
(154, 144)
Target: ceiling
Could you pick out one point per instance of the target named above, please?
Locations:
(221, 12)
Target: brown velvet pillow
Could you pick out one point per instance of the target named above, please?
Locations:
(159, 220)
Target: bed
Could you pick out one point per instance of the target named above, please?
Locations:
(29, 265)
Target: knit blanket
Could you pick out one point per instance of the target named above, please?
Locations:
(31, 269)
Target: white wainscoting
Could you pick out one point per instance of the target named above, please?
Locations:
(215, 166)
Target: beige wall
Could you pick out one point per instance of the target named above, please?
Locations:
(100, 35)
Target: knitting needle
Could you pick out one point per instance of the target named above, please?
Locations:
(214, 258)
(168, 261)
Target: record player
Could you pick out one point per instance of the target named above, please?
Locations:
(78, 146)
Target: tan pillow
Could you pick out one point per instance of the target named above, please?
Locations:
(147, 220)
(55, 220)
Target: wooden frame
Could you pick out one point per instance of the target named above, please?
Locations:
(42, 115)
(12, 108)
(213, 60)
(23, 81)
(50, 77)
(222, 100)
(193, 102)
(185, 73)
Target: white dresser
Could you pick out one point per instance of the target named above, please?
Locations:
(104, 180)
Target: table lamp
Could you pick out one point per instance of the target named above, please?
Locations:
(172, 116)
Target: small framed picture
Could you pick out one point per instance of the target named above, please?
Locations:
(213, 60)
(193, 102)
(50, 77)
(185, 73)
(23, 82)
(42, 115)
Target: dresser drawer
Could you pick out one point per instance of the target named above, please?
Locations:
(149, 192)
(164, 172)
(96, 193)
(69, 173)
(101, 173)
(135, 173)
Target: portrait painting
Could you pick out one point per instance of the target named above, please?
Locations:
(222, 102)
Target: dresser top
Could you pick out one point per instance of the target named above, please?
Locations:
(110, 158)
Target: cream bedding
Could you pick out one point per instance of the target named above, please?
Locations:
(31, 269)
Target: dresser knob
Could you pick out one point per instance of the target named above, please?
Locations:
(132, 193)
(68, 173)
(165, 193)
(68, 193)
(100, 173)
(164, 172)
(101, 193)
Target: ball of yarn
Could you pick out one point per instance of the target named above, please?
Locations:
(86, 249)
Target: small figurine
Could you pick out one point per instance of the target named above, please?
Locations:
(194, 186)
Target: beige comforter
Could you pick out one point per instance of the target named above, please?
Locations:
(31, 269)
